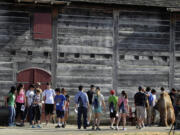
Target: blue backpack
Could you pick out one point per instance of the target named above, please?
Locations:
(150, 99)
(96, 103)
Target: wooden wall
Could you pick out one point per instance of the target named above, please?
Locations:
(111, 47)
(85, 38)
(143, 42)
(15, 42)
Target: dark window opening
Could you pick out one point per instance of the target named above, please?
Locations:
(92, 55)
(136, 57)
(13, 52)
(76, 55)
(61, 54)
(29, 52)
(107, 56)
(121, 57)
(46, 54)
(177, 58)
(150, 57)
(164, 58)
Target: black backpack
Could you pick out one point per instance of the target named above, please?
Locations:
(111, 106)
(80, 102)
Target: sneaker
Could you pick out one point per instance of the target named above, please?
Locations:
(111, 127)
(63, 126)
(98, 129)
(58, 126)
(85, 128)
(93, 128)
(124, 129)
(33, 126)
(22, 125)
(38, 126)
(117, 128)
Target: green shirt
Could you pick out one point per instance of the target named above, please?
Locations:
(113, 99)
(11, 99)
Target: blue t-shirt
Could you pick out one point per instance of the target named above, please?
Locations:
(60, 100)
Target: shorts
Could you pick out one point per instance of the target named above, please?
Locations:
(49, 108)
(59, 114)
(123, 110)
(98, 110)
(113, 114)
(140, 112)
(90, 111)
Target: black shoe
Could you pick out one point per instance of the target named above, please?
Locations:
(93, 128)
(22, 125)
(57, 126)
(79, 127)
(98, 129)
(85, 128)
(88, 125)
(63, 126)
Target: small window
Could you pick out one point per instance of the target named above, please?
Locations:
(92, 55)
(107, 56)
(136, 57)
(76, 55)
(121, 57)
(13, 52)
(150, 57)
(46, 54)
(29, 52)
(164, 58)
(61, 54)
(177, 58)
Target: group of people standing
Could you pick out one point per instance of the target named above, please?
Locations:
(90, 105)
(29, 105)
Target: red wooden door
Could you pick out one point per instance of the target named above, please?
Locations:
(32, 76)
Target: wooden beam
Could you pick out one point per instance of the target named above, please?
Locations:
(172, 50)
(115, 49)
(54, 46)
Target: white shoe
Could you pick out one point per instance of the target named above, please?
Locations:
(111, 127)
(117, 128)
(124, 129)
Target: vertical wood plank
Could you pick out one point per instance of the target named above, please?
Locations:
(54, 46)
(172, 50)
(115, 49)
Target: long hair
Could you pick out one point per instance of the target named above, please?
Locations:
(19, 87)
(124, 94)
(13, 89)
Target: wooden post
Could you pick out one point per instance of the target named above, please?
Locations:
(54, 46)
(172, 50)
(115, 49)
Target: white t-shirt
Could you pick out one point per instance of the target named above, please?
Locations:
(154, 100)
(29, 95)
(49, 96)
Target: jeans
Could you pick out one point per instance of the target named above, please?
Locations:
(12, 114)
(82, 111)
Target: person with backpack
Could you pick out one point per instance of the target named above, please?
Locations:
(123, 109)
(36, 108)
(113, 100)
(82, 104)
(11, 106)
(48, 97)
(20, 104)
(60, 102)
(98, 102)
(149, 108)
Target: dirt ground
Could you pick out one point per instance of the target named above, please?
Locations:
(72, 130)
